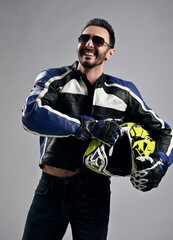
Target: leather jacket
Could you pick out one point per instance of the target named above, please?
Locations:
(61, 95)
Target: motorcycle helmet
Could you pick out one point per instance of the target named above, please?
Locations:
(118, 160)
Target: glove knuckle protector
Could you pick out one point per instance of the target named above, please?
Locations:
(87, 127)
(107, 131)
(153, 174)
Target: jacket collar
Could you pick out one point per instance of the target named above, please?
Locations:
(74, 66)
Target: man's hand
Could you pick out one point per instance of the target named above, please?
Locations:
(106, 131)
(149, 171)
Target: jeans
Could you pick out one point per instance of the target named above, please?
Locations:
(83, 202)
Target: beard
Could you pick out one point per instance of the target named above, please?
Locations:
(99, 59)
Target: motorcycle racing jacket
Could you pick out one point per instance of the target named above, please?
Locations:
(61, 95)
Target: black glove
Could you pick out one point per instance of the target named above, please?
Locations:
(104, 130)
(149, 171)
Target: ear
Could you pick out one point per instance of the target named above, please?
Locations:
(109, 54)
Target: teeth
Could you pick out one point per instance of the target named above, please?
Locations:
(89, 54)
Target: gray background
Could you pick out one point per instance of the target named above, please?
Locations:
(38, 34)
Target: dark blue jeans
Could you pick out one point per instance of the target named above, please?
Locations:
(81, 201)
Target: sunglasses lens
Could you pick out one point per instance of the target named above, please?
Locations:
(84, 38)
(98, 41)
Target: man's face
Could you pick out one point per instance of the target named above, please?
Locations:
(91, 55)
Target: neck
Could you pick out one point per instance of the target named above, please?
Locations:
(92, 74)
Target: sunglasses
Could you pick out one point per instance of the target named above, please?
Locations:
(97, 41)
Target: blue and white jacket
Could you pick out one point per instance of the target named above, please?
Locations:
(61, 95)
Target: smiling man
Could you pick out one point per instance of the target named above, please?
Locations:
(91, 54)
(67, 108)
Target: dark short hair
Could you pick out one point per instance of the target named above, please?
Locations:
(104, 24)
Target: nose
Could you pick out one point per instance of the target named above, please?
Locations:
(90, 43)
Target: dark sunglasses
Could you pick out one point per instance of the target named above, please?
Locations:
(97, 41)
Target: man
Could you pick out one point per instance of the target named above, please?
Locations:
(68, 107)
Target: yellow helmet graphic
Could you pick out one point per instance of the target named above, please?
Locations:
(119, 159)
